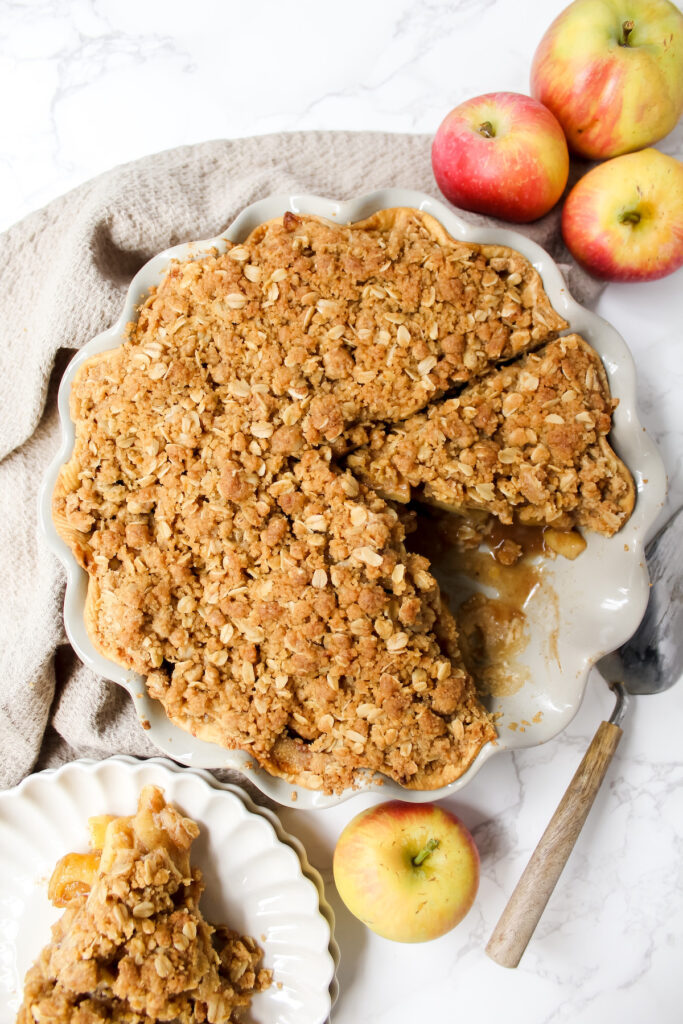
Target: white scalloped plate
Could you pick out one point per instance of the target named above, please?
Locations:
(585, 609)
(257, 876)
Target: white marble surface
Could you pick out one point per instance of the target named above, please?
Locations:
(74, 77)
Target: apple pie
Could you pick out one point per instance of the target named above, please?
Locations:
(235, 558)
(132, 946)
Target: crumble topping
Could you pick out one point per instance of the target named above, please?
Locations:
(132, 946)
(528, 443)
(263, 590)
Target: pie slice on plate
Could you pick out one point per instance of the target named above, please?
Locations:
(132, 945)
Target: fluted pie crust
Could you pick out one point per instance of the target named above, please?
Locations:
(236, 559)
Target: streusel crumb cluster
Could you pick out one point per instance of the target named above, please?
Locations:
(236, 560)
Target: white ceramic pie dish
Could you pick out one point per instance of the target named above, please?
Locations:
(585, 609)
(258, 878)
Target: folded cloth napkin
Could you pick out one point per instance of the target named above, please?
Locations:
(64, 275)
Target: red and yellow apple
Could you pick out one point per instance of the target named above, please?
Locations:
(623, 221)
(410, 872)
(501, 154)
(611, 71)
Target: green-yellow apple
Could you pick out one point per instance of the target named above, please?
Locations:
(502, 154)
(410, 872)
(611, 71)
(624, 219)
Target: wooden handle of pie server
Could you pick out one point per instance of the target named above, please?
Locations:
(524, 909)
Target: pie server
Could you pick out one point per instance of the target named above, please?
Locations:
(650, 662)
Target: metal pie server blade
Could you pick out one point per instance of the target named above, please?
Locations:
(652, 660)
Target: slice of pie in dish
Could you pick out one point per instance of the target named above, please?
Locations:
(528, 443)
(132, 946)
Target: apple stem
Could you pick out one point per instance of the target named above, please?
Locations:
(626, 29)
(421, 857)
(632, 217)
(487, 130)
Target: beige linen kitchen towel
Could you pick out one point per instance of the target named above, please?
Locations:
(64, 272)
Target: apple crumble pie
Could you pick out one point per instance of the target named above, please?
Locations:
(132, 945)
(235, 559)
